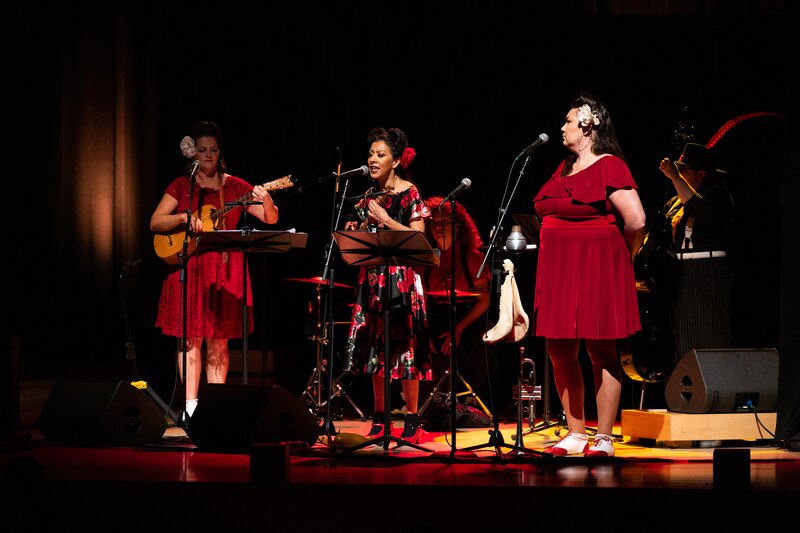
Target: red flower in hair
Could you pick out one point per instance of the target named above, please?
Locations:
(407, 157)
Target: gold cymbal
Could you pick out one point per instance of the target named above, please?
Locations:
(317, 280)
(460, 295)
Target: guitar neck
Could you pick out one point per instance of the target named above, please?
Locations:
(240, 200)
(277, 184)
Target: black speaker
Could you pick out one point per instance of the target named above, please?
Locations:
(100, 412)
(232, 418)
(724, 381)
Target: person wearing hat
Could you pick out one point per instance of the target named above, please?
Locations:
(702, 215)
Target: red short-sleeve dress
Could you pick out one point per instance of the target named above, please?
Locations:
(585, 283)
(214, 279)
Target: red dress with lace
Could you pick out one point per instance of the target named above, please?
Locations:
(214, 279)
(585, 283)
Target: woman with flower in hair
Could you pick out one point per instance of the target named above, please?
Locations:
(475, 357)
(393, 203)
(593, 223)
(214, 290)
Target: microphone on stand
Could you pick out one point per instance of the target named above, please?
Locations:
(338, 169)
(193, 169)
(543, 138)
(363, 170)
(465, 184)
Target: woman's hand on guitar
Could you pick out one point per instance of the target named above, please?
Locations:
(196, 225)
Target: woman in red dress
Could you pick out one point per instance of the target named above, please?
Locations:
(214, 279)
(593, 224)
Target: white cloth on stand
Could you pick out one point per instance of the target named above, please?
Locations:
(512, 323)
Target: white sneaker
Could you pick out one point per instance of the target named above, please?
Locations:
(603, 446)
(571, 444)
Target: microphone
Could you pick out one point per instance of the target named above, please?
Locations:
(466, 183)
(363, 170)
(193, 169)
(543, 138)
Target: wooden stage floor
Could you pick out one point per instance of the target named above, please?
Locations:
(173, 485)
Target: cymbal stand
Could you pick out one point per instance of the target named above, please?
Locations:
(327, 428)
(314, 388)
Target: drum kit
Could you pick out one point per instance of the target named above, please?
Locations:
(313, 393)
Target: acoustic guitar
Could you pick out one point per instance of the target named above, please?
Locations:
(168, 246)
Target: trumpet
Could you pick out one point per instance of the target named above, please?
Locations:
(526, 392)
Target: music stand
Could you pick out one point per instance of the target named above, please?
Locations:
(246, 240)
(386, 248)
(530, 226)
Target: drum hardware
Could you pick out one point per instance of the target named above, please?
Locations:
(438, 397)
(313, 393)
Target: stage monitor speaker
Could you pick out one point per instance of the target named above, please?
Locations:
(724, 381)
(100, 412)
(232, 418)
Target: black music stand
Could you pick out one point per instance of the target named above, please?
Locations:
(386, 248)
(246, 240)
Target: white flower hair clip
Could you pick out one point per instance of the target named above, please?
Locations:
(585, 116)
(187, 147)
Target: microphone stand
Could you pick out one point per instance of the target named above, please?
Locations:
(328, 428)
(183, 419)
(451, 312)
(495, 436)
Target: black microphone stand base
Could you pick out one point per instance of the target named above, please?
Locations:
(496, 441)
(455, 454)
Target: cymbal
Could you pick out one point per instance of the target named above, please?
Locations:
(459, 294)
(317, 280)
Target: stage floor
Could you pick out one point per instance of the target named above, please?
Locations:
(174, 485)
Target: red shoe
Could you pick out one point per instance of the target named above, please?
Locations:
(377, 426)
(603, 446)
(412, 430)
(572, 444)
(377, 430)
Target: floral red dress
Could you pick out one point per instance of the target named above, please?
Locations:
(407, 315)
(214, 279)
(585, 283)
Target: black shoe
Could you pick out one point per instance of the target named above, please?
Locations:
(378, 426)
(183, 420)
(412, 430)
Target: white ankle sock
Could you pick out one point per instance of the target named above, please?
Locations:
(191, 405)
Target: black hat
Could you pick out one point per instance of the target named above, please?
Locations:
(697, 156)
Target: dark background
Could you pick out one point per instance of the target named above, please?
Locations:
(292, 87)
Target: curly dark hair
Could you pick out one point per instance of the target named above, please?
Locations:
(606, 141)
(395, 139)
(467, 235)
